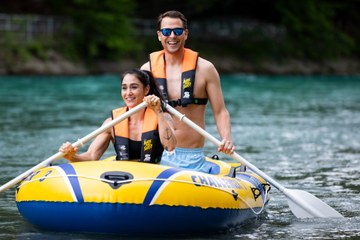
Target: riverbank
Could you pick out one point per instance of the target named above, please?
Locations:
(55, 64)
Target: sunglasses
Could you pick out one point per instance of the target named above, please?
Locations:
(167, 31)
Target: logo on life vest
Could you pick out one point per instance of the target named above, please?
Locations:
(186, 95)
(186, 83)
(147, 158)
(123, 153)
(147, 145)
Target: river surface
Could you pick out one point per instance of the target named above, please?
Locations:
(303, 131)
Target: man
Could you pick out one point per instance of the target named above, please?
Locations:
(174, 68)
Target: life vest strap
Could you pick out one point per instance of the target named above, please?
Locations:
(198, 101)
(158, 69)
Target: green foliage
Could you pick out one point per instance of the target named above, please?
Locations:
(311, 30)
(101, 29)
(38, 48)
(14, 50)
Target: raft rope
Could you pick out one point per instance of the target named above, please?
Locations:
(154, 179)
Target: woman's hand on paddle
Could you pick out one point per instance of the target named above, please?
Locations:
(69, 150)
(226, 146)
(153, 103)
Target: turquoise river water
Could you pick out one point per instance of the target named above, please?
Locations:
(304, 131)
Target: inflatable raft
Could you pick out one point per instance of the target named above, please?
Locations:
(126, 197)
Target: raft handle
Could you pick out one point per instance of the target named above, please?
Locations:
(232, 172)
(235, 194)
(115, 178)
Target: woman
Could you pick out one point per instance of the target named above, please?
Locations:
(144, 135)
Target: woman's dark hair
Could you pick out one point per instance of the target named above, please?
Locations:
(146, 78)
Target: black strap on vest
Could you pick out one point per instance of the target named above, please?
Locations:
(150, 151)
(199, 101)
(186, 93)
(187, 90)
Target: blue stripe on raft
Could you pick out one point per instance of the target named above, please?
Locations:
(157, 184)
(74, 181)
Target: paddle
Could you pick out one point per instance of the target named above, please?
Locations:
(301, 203)
(78, 143)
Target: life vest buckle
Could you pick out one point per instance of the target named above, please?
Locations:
(175, 103)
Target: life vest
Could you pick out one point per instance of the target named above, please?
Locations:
(158, 69)
(151, 147)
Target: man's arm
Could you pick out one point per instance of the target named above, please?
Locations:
(221, 114)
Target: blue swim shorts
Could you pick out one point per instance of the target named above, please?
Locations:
(188, 158)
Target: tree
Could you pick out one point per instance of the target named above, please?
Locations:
(100, 29)
(311, 29)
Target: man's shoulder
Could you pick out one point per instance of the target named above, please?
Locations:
(206, 70)
(145, 66)
(204, 63)
(205, 66)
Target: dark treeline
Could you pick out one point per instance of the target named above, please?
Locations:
(314, 29)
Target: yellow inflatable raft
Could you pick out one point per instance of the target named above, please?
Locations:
(126, 197)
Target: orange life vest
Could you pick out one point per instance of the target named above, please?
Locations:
(158, 69)
(151, 147)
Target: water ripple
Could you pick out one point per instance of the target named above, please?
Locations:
(300, 130)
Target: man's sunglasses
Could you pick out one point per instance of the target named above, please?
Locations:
(167, 31)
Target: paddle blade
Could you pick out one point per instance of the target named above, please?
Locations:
(301, 203)
(306, 205)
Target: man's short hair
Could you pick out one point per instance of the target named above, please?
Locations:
(172, 14)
